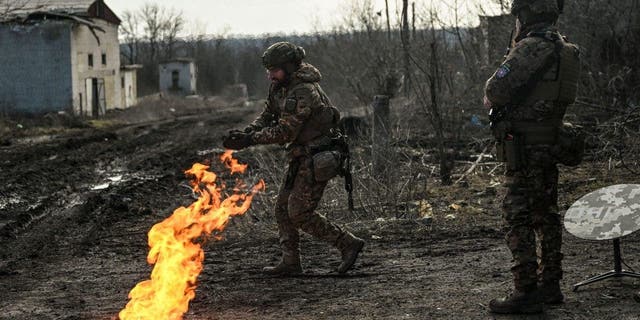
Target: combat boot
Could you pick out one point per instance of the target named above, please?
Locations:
(288, 266)
(349, 246)
(519, 302)
(550, 292)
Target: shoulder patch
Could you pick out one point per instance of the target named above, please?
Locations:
(290, 105)
(503, 71)
(304, 90)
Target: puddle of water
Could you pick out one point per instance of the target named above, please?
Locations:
(101, 186)
(11, 199)
(34, 140)
(210, 151)
(116, 178)
(111, 181)
(145, 177)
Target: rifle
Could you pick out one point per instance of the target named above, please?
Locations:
(341, 141)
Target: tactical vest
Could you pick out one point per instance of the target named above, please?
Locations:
(324, 118)
(317, 130)
(560, 82)
(555, 83)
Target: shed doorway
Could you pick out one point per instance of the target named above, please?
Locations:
(96, 97)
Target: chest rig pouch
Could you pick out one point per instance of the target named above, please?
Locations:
(559, 82)
(556, 81)
(290, 105)
(569, 149)
(326, 165)
(510, 151)
(509, 146)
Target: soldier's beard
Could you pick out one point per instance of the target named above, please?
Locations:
(278, 83)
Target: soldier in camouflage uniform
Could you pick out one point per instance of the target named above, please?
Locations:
(299, 113)
(528, 96)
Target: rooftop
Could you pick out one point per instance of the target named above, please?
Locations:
(23, 9)
(181, 60)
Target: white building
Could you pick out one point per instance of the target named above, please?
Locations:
(61, 55)
(178, 76)
(128, 87)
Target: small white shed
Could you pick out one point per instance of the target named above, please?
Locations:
(128, 84)
(178, 76)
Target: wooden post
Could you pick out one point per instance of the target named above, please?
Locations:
(413, 21)
(381, 133)
(386, 5)
(404, 36)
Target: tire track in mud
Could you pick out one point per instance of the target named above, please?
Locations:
(83, 256)
(56, 172)
(64, 247)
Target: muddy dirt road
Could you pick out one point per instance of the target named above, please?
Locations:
(75, 209)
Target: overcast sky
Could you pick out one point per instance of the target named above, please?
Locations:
(255, 17)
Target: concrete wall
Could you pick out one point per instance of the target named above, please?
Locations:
(128, 87)
(187, 77)
(36, 69)
(83, 44)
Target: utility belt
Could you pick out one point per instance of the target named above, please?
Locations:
(330, 157)
(317, 145)
(512, 138)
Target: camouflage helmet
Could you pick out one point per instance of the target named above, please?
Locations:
(553, 7)
(281, 53)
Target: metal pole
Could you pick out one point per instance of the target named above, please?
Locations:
(380, 133)
(616, 256)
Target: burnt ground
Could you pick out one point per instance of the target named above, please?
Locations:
(70, 250)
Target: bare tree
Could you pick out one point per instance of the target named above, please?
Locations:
(172, 24)
(362, 54)
(130, 31)
(154, 25)
(404, 36)
(429, 92)
(151, 16)
(150, 35)
(386, 9)
(8, 7)
(504, 5)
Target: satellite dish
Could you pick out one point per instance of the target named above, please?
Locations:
(608, 213)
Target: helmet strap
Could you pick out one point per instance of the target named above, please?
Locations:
(528, 18)
(291, 67)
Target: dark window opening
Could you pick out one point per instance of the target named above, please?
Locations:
(122, 82)
(104, 59)
(90, 60)
(175, 79)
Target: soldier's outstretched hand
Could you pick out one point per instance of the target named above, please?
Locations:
(237, 140)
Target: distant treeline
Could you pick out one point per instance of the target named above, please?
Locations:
(366, 56)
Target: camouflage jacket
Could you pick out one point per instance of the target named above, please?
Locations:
(515, 82)
(299, 113)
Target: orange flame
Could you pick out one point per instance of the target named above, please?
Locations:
(174, 252)
(231, 163)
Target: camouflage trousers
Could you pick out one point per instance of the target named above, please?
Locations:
(534, 226)
(297, 200)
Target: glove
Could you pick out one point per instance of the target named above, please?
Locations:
(247, 130)
(237, 140)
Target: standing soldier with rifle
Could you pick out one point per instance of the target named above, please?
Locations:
(299, 113)
(528, 96)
